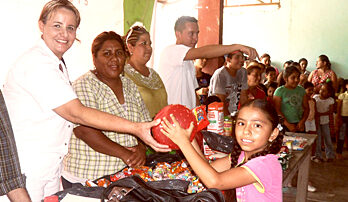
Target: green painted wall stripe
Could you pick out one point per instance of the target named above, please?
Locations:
(137, 11)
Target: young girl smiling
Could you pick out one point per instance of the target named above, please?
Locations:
(251, 167)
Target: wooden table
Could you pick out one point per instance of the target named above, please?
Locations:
(300, 161)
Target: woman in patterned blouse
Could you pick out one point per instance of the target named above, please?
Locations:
(322, 74)
(94, 153)
(150, 85)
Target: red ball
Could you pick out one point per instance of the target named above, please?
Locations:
(183, 115)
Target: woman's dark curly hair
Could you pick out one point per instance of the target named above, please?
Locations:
(272, 147)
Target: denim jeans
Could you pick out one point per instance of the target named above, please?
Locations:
(324, 131)
(343, 133)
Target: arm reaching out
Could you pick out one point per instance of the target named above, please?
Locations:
(75, 112)
(212, 51)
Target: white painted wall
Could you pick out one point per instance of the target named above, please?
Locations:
(300, 28)
(163, 25)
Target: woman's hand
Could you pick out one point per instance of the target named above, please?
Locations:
(143, 132)
(175, 132)
(137, 156)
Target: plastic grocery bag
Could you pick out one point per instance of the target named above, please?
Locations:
(218, 142)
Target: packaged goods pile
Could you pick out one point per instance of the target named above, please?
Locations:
(179, 170)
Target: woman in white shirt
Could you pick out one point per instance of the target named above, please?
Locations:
(42, 104)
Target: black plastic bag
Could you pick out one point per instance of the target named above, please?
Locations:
(134, 189)
(80, 190)
(218, 142)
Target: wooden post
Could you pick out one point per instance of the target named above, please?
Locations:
(210, 18)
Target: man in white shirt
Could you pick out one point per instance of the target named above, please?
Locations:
(176, 66)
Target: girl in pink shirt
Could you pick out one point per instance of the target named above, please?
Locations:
(252, 167)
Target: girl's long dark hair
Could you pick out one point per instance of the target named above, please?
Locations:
(272, 147)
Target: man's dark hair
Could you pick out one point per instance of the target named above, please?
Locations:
(180, 22)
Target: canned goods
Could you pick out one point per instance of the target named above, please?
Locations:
(227, 126)
(289, 145)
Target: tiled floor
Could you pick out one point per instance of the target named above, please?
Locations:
(330, 179)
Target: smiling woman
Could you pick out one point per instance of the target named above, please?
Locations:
(58, 24)
(107, 90)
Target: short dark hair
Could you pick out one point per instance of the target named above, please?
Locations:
(265, 55)
(272, 85)
(251, 68)
(180, 22)
(102, 37)
(270, 69)
(330, 88)
(303, 59)
(308, 84)
(290, 70)
(288, 62)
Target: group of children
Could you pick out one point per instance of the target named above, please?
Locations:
(305, 110)
(289, 99)
(302, 106)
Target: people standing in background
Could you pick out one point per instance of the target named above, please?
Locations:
(271, 75)
(150, 85)
(271, 87)
(324, 111)
(230, 83)
(341, 87)
(310, 126)
(203, 80)
(303, 64)
(176, 66)
(322, 74)
(280, 77)
(12, 181)
(342, 120)
(43, 105)
(254, 77)
(266, 60)
(291, 101)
